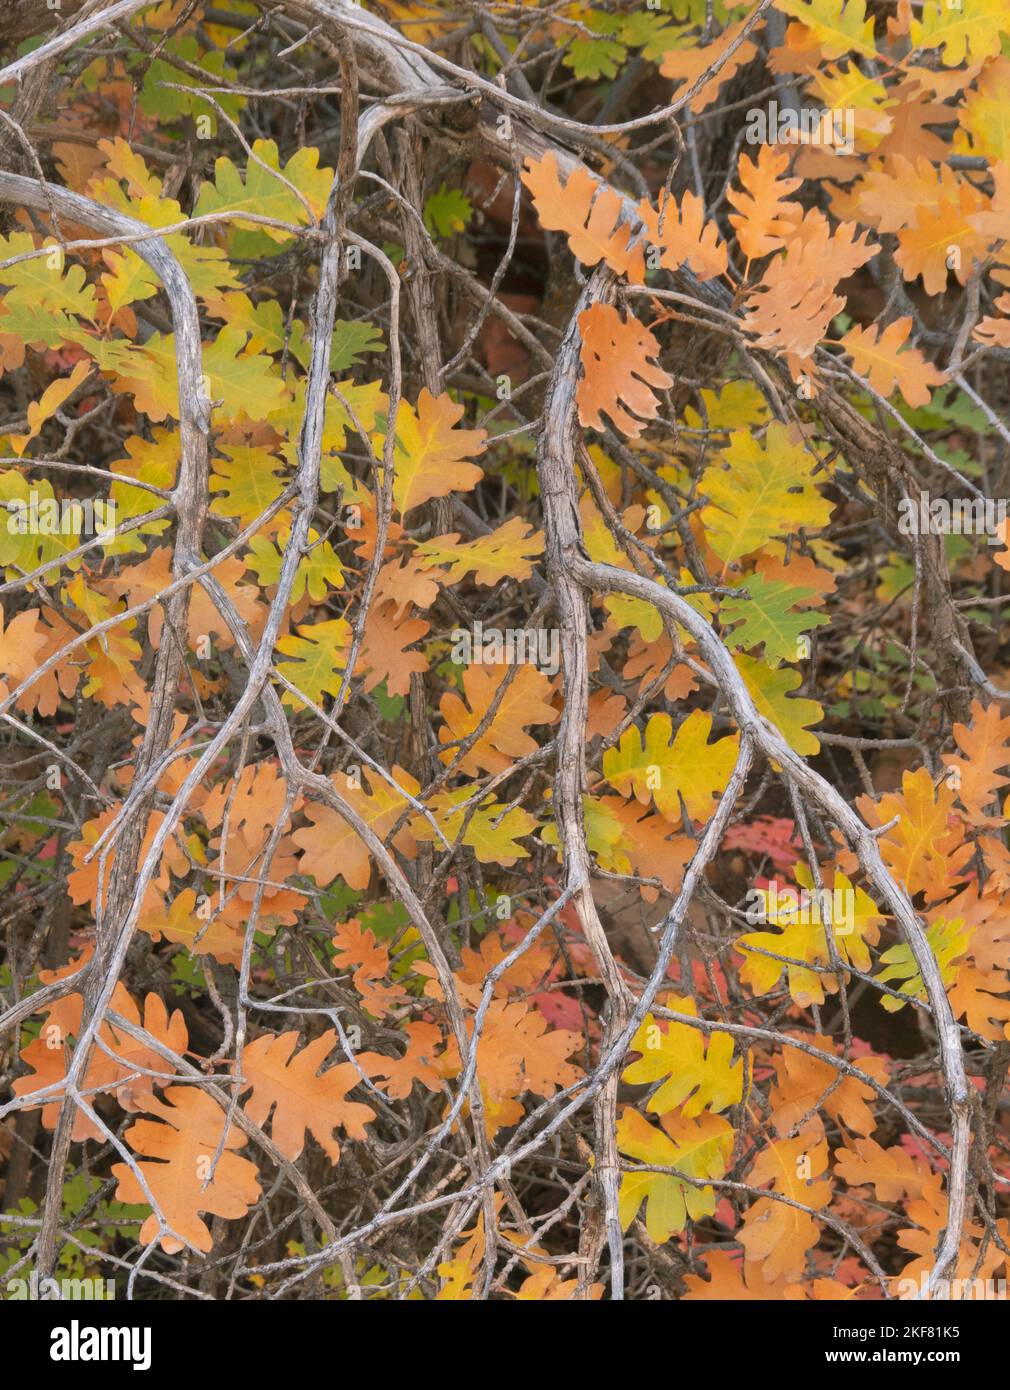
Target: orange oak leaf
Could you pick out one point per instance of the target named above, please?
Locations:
(331, 848)
(976, 996)
(524, 701)
(431, 456)
(252, 801)
(141, 582)
(587, 213)
(202, 925)
(975, 773)
(617, 374)
(369, 958)
(804, 1084)
(736, 1280)
(892, 1173)
(524, 974)
(765, 215)
(20, 643)
(647, 661)
(546, 1285)
(683, 236)
(995, 332)
(928, 1210)
(114, 1074)
(301, 1098)
(424, 1042)
(606, 710)
(881, 356)
(688, 64)
(776, 1234)
(384, 650)
(792, 306)
(184, 1147)
(945, 240)
(44, 693)
(516, 1053)
(90, 878)
(891, 197)
(401, 583)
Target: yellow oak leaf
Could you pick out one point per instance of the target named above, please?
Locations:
(761, 489)
(698, 1148)
(664, 767)
(694, 1077)
(506, 552)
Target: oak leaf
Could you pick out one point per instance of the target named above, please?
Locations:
(245, 482)
(776, 1234)
(771, 690)
(587, 213)
(734, 1280)
(979, 1256)
(948, 941)
(424, 1043)
(694, 1078)
(791, 308)
(892, 1173)
(265, 194)
(506, 552)
(683, 236)
(401, 583)
(331, 848)
(431, 455)
(184, 1147)
(975, 772)
(20, 643)
(318, 669)
(924, 849)
(491, 829)
(802, 922)
(804, 1083)
(503, 738)
(881, 356)
(765, 214)
(699, 1148)
(516, 1053)
(944, 240)
(665, 767)
(617, 373)
(384, 650)
(691, 62)
(840, 27)
(760, 489)
(769, 617)
(358, 948)
(290, 1085)
(975, 25)
(113, 1066)
(141, 582)
(210, 932)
